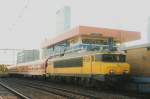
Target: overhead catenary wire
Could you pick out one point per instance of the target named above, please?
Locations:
(20, 15)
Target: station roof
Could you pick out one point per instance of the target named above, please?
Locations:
(144, 45)
(121, 35)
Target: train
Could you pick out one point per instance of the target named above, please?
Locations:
(3, 70)
(79, 67)
(138, 57)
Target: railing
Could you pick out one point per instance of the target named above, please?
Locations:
(81, 47)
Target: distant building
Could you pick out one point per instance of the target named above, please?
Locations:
(27, 56)
(63, 19)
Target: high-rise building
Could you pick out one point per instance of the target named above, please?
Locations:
(63, 19)
(27, 56)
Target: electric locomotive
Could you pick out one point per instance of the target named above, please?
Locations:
(103, 66)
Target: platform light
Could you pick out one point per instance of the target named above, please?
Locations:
(111, 71)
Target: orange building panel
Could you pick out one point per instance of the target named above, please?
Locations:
(121, 35)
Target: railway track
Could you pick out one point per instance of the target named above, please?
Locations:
(65, 92)
(7, 92)
(69, 94)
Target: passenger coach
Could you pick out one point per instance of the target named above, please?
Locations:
(139, 59)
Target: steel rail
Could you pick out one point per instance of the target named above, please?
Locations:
(22, 83)
(14, 91)
(36, 85)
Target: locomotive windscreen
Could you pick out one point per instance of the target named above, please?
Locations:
(110, 57)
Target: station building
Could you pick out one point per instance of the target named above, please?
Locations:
(85, 38)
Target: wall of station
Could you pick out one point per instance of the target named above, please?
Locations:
(148, 32)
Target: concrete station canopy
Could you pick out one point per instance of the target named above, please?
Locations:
(145, 45)
(121, 35)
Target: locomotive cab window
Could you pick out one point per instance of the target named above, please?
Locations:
(122, 58)
(113, 58)
(110, 57)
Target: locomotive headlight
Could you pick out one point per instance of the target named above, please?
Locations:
(111, 71)
(126, 71)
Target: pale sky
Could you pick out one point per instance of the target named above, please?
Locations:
(24, 23)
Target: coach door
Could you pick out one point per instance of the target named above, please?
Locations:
(87, 62)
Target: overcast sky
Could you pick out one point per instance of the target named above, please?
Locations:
(24, 23)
